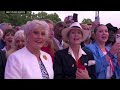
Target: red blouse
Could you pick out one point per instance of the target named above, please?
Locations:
(79, 65)
(49, 51)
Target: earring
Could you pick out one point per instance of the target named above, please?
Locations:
(68, 41)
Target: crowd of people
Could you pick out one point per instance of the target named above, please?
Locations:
(41, 49)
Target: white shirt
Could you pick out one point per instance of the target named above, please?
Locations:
(70, 51)
(60, 45)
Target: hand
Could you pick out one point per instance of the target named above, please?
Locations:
(115, 48)
(82, 74)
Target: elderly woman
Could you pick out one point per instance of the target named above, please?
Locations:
(107, 65)
(31, 62)
(18, 42)
(74, 62)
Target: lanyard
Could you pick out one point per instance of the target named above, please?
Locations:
(110, 61)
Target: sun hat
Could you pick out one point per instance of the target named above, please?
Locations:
(75, 25)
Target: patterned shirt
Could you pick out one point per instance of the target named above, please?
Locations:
(43, 70)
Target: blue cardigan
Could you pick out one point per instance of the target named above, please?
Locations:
(101, 62)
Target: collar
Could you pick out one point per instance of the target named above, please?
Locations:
(70, 51)
(60, 45)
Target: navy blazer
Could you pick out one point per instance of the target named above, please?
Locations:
(65, 65)
(2, 64)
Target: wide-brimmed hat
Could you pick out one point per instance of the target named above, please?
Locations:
(75, 25)
(111, 27)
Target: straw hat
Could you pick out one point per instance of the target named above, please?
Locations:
(75, 25)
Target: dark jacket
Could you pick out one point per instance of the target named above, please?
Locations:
(2, 63)
(65, 65)
(2, 44)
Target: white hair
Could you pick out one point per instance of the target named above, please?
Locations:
(19, 34)
(34, 24)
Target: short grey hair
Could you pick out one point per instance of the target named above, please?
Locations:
(34, 24)
(19, 34)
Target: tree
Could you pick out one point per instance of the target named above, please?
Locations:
(43, 15)
(87, 21)
(20, 18)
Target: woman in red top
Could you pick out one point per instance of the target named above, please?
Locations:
(48, 46)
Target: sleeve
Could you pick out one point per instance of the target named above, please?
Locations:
(57, 66)
(92, 67)
(2, 64)
(101, 62)
(91, 70)
(13, 69)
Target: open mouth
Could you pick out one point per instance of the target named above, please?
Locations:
(9, 41)
(39, 42)
(76, 39)
(104, 37)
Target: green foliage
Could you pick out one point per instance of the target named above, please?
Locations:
(21, 18)
(87, 21)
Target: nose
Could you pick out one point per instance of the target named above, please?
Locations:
(20, 43)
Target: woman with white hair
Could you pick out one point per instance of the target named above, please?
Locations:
(31, 62)
(18, 42)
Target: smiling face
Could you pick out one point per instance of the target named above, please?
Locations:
(36, 38)
(101, 34)
(19, 42)
(36, 33)
(75, 36)
(8, 36)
